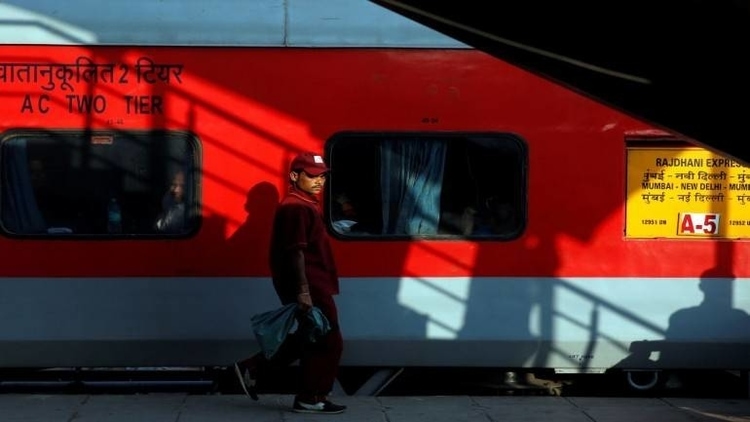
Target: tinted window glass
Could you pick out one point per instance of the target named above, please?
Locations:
(99, 183)
(427, 185)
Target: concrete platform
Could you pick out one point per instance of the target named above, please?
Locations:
(177, 407)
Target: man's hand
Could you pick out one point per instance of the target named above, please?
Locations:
(304, 302)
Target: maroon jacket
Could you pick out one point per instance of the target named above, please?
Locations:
(298, 224)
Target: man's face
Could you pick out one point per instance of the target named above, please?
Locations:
(307, 183)
(177, 188)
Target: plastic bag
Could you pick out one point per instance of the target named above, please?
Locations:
(272, 327)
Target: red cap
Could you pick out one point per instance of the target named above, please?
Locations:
(310, 163)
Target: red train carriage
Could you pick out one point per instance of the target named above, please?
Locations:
(482, 216)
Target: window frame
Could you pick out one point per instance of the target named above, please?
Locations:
(194, 160)
(346, 136)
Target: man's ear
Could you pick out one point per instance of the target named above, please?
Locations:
(293, 176)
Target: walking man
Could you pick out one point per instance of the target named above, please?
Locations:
(303, 272)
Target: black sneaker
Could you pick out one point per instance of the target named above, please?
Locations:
(323, 407)
(247, 381)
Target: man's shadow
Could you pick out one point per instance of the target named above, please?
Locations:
(249, 244)
(713, 330)
(712, 334)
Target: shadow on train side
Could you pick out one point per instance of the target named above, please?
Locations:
(684, 355)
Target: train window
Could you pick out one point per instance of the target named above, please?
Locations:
(109, 184)
(396, 185)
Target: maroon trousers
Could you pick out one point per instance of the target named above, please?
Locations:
(319, 361)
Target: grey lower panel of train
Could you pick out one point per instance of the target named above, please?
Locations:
(569, 324)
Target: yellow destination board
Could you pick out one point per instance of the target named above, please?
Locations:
(686, 193)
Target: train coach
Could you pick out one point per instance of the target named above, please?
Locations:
(482, 216)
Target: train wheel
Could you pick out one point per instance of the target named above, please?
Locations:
(644, 381)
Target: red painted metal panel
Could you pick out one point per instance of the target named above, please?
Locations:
(253, 108)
